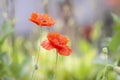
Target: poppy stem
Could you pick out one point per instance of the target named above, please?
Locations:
(39, 45)
(106, 64)
(56, 60)
(37, 58)
(55, 70)
(32, 76)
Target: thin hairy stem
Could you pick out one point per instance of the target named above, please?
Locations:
(32, 77)
(39, 45)
(55, 69)
(37, 59)
(105, 71)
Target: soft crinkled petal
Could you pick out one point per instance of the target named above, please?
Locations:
(42, 19)
(46, 44)
(57, 39)
(34, 18)
(65, 51)
(45, 20)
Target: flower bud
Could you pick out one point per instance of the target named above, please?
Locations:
(117, 69)
(105, 50)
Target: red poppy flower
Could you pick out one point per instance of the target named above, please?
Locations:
(86, 32)
(57, 41)
(113, 2)
(41, 19)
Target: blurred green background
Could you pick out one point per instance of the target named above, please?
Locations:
(89, 26)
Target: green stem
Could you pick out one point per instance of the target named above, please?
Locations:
(32, 77)
(56, 60)
(0, 48)
(105, 69)
(39, 44)
(37, 59)
(55, 69)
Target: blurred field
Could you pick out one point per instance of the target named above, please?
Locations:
(90, 25)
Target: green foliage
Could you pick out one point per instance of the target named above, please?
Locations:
(115, 42)
(6, 31)
(12, 63)
(16, 63)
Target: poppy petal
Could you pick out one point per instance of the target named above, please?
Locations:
(65, 51)
(34, 18)
(57, 39)
(46, 45)
(42, 19)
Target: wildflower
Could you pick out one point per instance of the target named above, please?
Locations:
(86, 32)
(41, 19)
(57, 41)
(105, 50)
(113, 3)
